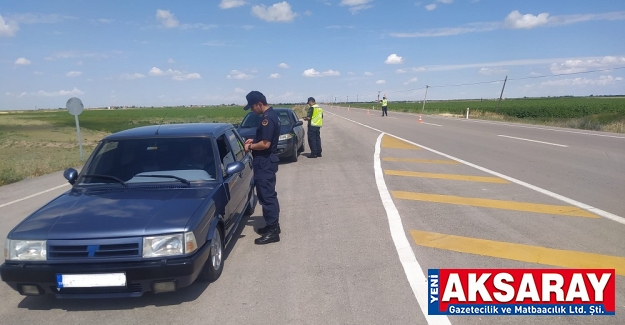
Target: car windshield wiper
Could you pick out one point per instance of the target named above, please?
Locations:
(168, 176)
(106, 177)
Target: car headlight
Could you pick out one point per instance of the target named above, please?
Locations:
(285, 136)
(169, 245)
(25, 250)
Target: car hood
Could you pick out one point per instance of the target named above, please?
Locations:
(118, 213)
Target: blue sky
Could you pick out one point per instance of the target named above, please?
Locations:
(156, 53)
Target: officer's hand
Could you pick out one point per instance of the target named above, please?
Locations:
(248, 141)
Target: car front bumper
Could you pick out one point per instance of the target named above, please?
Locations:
(140, 276)
(285, 147)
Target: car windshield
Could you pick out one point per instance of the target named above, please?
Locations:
(175, 160)
(251, 120)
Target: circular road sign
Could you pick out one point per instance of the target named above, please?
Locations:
(74, 106)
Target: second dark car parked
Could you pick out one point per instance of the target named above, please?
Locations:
(292, 132)
(151, 210)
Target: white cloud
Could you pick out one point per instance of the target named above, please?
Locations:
(187, 77)
(380, 82)
(489, 71)
(516, 21)
(411, 81)
(158, 72)
(30, 18)
(601, 81)
(356, 5)
(239, 75)
(105, 21)
(581, 65)
(38, 73)
(430, 7)
(274, 76)
(228, 4)
(198, 26)
(239, 90)
(166, 18)
(171, 60)
(446, 1)
(131, 76)
(367, 73)
(73, 74)
(283, 66)
(315, 73)
(8, 28)
(73, 92)
(279, 12)
(74, 54)
(22, 61)
(394, 59)
(400, 71)
(450, 31)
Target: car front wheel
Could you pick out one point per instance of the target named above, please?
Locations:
(215, 264)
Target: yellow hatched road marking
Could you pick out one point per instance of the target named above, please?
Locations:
(519, 252)
(425, 161)
(565, 210)
(483, 179)
(394, 143)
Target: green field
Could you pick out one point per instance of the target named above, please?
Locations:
(591, 113)
(34, 143)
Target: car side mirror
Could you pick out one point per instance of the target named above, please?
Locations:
(234, 167)
(70, 175)
(236, 125)
(299, 123)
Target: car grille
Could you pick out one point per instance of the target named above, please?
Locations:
(67, 250)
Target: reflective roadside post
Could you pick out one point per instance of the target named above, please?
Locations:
(75, 107)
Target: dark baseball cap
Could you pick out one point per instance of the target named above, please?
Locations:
(254, 97)
(311, 98)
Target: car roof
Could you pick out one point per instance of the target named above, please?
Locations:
(277, 109)
(173, 130)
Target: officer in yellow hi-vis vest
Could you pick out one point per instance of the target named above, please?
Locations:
(384, 106)
(315, 121)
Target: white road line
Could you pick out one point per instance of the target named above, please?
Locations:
(32, 195)
(562, 198)
(549, 143)
(430, 124)
(412, 268)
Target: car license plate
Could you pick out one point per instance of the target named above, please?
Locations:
(90, 280)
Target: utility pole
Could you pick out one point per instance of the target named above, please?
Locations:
(425, 98)
(356, 98)
(348, 98)
(379, 95)
(502, 88)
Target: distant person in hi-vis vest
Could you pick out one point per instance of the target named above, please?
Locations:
(315, 121)
(384, 106)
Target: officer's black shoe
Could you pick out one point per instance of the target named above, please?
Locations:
(312, 156)
(263, 230)
(319, 155)
(271, 236)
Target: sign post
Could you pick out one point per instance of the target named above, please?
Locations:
(75, 107)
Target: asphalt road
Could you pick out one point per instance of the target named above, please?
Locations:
(369, 218)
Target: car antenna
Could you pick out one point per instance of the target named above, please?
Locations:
(159, 125)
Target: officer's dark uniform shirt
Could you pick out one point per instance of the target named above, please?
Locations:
(266, 161)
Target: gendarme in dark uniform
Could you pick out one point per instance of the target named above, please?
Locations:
(264, 149)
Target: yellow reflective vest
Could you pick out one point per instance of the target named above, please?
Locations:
(317, 116)
(384, 102)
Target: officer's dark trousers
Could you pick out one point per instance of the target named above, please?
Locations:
(384, 110)
(265, 169)
(314, 140)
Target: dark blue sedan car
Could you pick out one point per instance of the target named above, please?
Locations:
(151, 211)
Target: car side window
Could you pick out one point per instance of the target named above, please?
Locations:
(236, 145)
(294, 117)
(225, 153)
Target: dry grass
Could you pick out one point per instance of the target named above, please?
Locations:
(31, 148)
